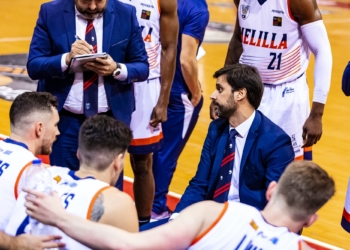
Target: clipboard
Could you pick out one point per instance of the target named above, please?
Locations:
(76, 64)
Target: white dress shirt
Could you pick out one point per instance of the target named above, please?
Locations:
(242, 130)
(74, 101)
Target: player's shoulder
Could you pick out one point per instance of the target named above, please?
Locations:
(113, 194)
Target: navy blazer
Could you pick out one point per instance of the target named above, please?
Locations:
(267, 152)
(122, 40)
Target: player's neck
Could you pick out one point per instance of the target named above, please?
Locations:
(85, 171)
(29, 143)
(276, 216)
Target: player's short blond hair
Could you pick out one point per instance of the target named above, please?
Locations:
(305, 188)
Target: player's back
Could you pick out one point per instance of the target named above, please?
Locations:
(78, 196)
(240, 226)
(14, 157)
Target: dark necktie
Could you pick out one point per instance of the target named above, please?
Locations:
(226, 169)
(90, 77)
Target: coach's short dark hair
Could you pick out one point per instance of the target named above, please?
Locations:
(101, 139)
(28, 103)
(241, 76)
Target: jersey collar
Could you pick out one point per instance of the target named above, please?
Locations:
(72, 174)
(8, 140)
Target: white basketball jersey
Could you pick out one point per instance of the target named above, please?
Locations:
(272, 40)
(14, 159)
(242, 227)
(78, 197)
(148, 16)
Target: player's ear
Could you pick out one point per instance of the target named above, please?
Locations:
(311, 220)
(270, 190)
(78, 154)
(39, 129)
(119, 162)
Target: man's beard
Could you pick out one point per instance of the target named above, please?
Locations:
(90, 15)
(225, 111)
(46, 147)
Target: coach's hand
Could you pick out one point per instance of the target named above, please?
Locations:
(79, 47)
(31, 242)
(212, 111)
(44, 208)
(102, 67)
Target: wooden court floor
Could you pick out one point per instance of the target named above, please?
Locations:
(332, 152)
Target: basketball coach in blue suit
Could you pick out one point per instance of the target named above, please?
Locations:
(244, 151)
(67, 28)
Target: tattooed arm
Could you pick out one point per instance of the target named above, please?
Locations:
(115, 208)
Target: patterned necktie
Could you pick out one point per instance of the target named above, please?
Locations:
(226, 169)
(90, 77)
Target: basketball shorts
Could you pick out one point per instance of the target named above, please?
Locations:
(146, 139)
(288, 106)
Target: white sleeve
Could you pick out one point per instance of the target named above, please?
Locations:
(64, 66)
(316, 37)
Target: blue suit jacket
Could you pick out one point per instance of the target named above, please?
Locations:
(267, 152)
(55, 33)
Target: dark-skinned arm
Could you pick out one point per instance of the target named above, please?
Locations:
(305, 12)
(169, 29)
(235, 48)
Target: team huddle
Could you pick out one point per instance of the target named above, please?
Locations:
(253, 188)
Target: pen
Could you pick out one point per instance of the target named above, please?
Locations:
(78, 38)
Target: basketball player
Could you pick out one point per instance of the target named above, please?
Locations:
(276, 37)
(159, 24)
(185, 101)
(89, 192)
(302, 189)
(33, 118)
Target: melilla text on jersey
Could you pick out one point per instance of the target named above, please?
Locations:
(263, 39)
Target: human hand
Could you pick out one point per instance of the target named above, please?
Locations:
(159, 114)
(312, 131)
(102, 67)
(79, 47)
(212, 111)
(31, 242)
(44, 208)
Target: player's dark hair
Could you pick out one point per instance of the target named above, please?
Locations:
(101, 139)
(28, 103)
(241, 76)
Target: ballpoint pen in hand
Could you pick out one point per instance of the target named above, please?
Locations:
(78, 38)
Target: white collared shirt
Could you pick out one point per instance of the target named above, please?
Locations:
(74, 101)
(242, 130)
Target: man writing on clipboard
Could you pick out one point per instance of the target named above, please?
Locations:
(103, 26)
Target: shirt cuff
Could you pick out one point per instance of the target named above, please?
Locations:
(173, 216)
(123, 73)
(64, 66)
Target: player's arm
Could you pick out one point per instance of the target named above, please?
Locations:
(179, 233)
(307, 14)
(28, 242)
(189, 67)
(116, 209)
(169, 29)
(235, 48)
(192, 34)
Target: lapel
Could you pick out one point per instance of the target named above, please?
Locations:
(108, 24)
(69, 20)
(252, 134)
(219, 153)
